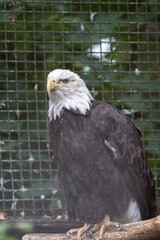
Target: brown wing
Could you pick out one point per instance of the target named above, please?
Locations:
(101, 164)
(130, 165)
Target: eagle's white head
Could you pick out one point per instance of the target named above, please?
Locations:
(67, 90)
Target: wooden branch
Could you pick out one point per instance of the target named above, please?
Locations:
(148, 229)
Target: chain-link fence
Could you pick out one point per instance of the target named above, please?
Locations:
(113, 45)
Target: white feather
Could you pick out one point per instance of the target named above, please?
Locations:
(131, 215)
(133, 212)
(74, 95)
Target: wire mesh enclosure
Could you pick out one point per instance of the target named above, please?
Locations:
(113, 45)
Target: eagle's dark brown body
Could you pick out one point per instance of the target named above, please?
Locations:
(101, 164)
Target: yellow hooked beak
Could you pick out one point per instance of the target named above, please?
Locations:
(52, 85)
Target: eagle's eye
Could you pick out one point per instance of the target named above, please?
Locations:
(65, 81)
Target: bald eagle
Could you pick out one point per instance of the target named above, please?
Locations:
(104, 175)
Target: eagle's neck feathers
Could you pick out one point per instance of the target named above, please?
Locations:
(78, 100)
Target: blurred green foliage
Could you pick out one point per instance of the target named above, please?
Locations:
(7, 228)
(112, 45)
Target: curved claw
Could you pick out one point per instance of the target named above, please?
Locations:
(120, 227)
(89, 233)
(68, 234)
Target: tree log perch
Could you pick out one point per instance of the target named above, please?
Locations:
(148, 229)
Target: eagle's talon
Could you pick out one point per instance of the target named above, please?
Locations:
(89, 232)
(68, 234)
(120, 227)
